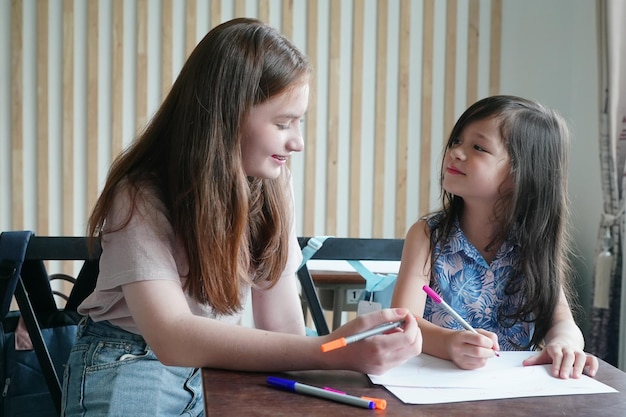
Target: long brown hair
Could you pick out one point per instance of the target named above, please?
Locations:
(190, 153)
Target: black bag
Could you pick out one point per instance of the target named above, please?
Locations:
(30, 379)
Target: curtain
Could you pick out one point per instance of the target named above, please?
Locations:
(608, 326)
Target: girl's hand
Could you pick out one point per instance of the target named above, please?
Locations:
(566, 361)
(469, 350)
(375, 354)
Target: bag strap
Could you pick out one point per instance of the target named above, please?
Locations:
(373, 281)
(13, 247)
(312, 245)
(12, 252)
(84, 285)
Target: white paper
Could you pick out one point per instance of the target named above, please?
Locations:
(429, 380)
(381, 267)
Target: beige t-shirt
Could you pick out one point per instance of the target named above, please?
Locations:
(146, 249)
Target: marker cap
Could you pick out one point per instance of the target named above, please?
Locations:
(335, 344)
(381, 404)
(432, 294)
(281, 383)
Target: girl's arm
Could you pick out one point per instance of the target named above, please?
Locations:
(564, 346)
(466, 349)
(180, 338)
(279, 308)
(414, 270)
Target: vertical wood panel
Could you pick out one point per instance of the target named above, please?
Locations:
(496, 47)
(166, 47)
(450, 66)
(216, 12)
(332, 131)
(311, 128)
(117, 100)
(17, 99)
(240, 8)
(356, 119)
(427, 102)
(92, 104)
(190, 26)
(141, 88)
(68, 119)
(286, 26)
(403, 118)
(264, 11)
(43, 167)
(67, 141)
(472, 51)
(380, 124)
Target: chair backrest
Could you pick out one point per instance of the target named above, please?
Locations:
(62, 248)
(348, 249)
(333, 248)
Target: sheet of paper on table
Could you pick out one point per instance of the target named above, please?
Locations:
(429, 380)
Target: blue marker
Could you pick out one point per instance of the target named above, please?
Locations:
(299, 388)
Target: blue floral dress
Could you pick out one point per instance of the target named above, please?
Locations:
(475, 289)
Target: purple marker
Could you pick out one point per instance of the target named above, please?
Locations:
(293, 386)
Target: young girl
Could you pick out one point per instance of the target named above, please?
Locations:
(497, 251)
(195, 217)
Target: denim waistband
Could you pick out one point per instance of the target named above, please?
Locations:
(88, 327)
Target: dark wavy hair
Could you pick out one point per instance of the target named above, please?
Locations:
(534, 214)
(190, 153)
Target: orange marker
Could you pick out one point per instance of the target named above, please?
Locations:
(381, 404)
(344, 341)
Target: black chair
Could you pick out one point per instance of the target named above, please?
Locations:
(348, 249)
(61, 248)
(36, 298)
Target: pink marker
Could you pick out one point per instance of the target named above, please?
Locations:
(437, 299)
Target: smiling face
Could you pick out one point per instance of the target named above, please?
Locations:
(477, 164)
(272, 132)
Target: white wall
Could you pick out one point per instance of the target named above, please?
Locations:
(549, 53)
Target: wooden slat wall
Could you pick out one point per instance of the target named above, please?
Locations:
(356, 118)
(402, 146)
(381, 147)
(380, 124)
(92, 103)
(333, 115)
(427, 105)
(117, 131)
(17, 134)
(310, 153)
(42, 115)
(67, 189)
(141, 95)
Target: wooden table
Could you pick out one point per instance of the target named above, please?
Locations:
(229, 393)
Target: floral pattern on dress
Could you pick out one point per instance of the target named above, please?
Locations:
(475, 289)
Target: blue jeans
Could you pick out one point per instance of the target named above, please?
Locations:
(111, 372)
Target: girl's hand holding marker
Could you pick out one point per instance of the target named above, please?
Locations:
(437, 299)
